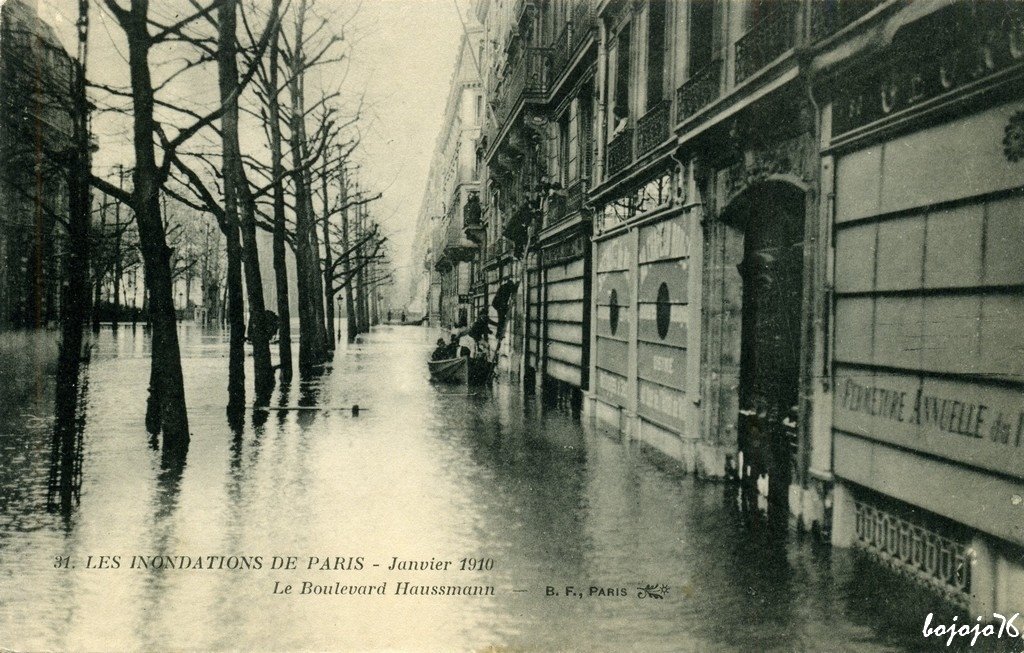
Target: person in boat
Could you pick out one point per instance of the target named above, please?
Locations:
(467, 345)
(451, 350)
(440, 351)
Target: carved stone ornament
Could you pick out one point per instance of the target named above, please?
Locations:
(1013, 138)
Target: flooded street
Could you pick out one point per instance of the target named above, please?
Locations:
(422, 472)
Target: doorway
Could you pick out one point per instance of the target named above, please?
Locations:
(771, 271)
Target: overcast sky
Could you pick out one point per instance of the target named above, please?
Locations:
(403, 54)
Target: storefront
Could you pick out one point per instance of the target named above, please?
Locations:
(560, 303)
(928, 361)
(644, 324)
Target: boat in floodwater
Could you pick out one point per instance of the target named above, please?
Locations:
(463, 369)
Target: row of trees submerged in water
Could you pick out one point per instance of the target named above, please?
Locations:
(262, 57)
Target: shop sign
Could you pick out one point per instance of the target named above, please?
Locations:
(953, 47)
(567, 250)
(646, 198)
(666, 239)
(662, 404)
(973, 423)
(612, 254)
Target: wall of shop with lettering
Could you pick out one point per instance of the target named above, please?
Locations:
(613, 299)
(663, 265)
(929, 282)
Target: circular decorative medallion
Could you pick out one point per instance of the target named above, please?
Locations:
(663, 311)
(613, 311)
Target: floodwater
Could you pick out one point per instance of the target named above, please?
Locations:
(423, 472)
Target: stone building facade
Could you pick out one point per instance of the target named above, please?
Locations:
(777, 241)
(36, 75)
(449, 216)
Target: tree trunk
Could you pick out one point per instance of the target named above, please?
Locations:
(166, 409)
(97, 299)
(118, 267)
(312, 334)
(346, 268)
(361, 305)
(244, 204)
(284, 342)
(328, 261)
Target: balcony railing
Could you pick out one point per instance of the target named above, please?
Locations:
(620, 151)
(472, 215)
(561, 51)
(521, 7)
(703, 88)
(567, 45)
(528, 77)
(652, 128)
(766, 40)
(568, 203)
(830, 16)
(584, 16)
(497, 249)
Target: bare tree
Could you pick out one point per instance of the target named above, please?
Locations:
(239, 203)
(166, 409)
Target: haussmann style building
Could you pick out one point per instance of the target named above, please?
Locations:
(778, 242)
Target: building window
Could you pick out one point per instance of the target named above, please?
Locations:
(586, 136)
(572, 146)
(702, 34)
(620, 91)
(663, 311)
(656, 52)
(613, 311)
(564, 149)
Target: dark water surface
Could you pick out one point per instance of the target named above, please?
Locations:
(423, 472)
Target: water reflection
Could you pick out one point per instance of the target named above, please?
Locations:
(422, 472)
(66, 453)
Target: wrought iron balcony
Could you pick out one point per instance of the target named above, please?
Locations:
(767, 40)
(570, 39)
(451, 244)
(620, 151)
(652, 128)
(497, 249)
(584, 20)
(521, 7)
(703, 88)
(830, 16)
(528, 77)
(575, 194)
(472, 218)
(566, 203)
(561, 52)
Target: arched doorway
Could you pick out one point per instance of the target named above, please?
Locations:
(771, 218)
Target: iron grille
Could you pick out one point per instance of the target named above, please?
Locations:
(912, 549)
(652, 128)
(766, 40)
(620, 151)
(699, 91)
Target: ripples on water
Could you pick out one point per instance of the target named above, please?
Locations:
(423, 471)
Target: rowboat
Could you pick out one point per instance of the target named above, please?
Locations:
(466, 370)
